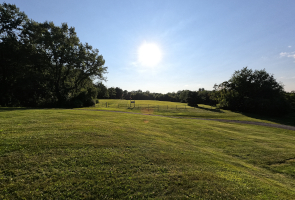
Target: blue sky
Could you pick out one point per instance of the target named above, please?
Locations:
(202, 42)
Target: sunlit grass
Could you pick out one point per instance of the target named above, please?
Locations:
(74, 154)
(178, 109)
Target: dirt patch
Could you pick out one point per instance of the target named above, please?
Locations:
(147, 111)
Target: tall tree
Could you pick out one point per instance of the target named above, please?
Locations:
(112, 92)
(252, 91)
(125, 94)
(11, 53)
(102, 91)
(68, 64)
(119, 93)
(44, 64)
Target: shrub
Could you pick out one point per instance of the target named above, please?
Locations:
(76, 103)
(89, 103)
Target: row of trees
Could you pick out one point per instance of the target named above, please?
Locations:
(43, 64)
(246, 91)
(184, 96)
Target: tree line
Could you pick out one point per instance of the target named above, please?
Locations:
(246, 91)
(184, 96)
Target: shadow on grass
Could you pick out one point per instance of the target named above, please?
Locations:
(288, 119)
(211, 109)
(6, 109)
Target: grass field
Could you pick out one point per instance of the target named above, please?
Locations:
(182, 110)
(84, 154)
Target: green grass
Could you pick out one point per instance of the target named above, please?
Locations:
(182, 110)
(83, 154)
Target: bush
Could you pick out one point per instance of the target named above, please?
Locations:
(76, 104)
(97, 101)
(193, 104)
(89, 103)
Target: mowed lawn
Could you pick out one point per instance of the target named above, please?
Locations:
(85, 154)
(178, 109)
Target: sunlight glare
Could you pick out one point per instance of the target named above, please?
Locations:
(149, 54)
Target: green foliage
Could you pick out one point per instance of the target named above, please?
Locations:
(102, 91)
(12, 52)
(11, 21)
(86, 97)
(252, 91)
(193, 99)
(119, 93)
(112, 93)
(44, 64)
(183, 95)
(291, 99)
(200, 97)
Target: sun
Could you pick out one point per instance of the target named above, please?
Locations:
(149, 54)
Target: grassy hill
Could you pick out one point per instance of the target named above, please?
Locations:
(73, 154)
(177, 109)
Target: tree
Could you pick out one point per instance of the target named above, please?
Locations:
(11, 53)
(125, 94)
(112, 93)
(291, 99)
(68, 64)
(252, 91)
(183, 95)
(200, 97)
(119, 93)
(193, 99)
(43, 64)
(11, 21)
(102, 91)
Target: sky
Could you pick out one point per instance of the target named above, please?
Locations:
(200, 42)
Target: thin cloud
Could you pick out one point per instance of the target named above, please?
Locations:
(289, 46)
(283, 77)
(288, 54)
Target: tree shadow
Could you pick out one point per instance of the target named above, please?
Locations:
(6, 109)
(288, 119)
(211, 109)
